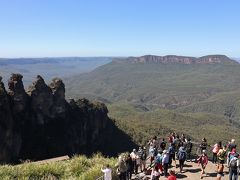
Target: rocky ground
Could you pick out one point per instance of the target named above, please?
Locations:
(191, 172)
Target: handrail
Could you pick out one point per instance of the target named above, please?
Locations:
(100, 178)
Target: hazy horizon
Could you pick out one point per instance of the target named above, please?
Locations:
(55, 57)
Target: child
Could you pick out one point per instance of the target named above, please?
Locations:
(158, 161)
(172, 175)
(203, 160)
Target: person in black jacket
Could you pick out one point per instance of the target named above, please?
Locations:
(130, 167)
(188, 148)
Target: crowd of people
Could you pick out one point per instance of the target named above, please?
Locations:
(162, 156)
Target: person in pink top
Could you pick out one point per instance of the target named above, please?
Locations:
(203, 160)
(215, 150)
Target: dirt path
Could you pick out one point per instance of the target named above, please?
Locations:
(61, 158)
(192, 172)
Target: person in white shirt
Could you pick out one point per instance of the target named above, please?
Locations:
(107, 173)
(134, 157)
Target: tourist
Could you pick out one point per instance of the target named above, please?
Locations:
(220, 173)
(221, 159)
(203, 145)
(232, 145)
(121, 169)
(140, 155)
(181, 157)
(163, 145)
(171, 138)
(176, 144)
(143, 159)
(172, 175)
(183, 138)
(221, 155)
(107, 172)
(138, 163)
(203, 161)
(233, 164)
(188, 148)
(134, 157)
(165, 162)
(158, 161)
(215, 150)
(171, 151)
(130, 168)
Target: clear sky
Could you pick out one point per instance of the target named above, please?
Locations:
(40, 28)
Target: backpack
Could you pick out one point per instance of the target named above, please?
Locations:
(233, 163)
(158, 160)
(182, 155)
(171, 150)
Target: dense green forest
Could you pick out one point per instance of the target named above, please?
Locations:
(146, 99)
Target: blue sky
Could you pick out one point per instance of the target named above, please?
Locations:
(40, 28)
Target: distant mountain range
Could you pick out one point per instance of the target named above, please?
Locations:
(187, 84)
(210, 59)
(49, 67)
(154, 95)
(237, 59)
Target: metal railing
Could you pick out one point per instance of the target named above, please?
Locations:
(100, 178)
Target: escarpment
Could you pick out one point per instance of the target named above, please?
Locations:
(40, 123)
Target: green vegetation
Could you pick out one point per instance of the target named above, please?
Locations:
(143, 125)
(79, 167)
(147, 99)
(187, 88)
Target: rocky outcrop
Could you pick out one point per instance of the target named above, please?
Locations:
(169, 59)
(17, 93)
(40, 123)
(9, 141)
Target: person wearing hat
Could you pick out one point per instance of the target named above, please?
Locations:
(165, 162)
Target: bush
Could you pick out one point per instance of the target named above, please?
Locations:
(79, 167)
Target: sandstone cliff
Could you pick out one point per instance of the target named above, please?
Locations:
(210, 59)
(39, 123)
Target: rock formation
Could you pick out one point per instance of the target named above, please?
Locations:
(40, 123)
(210, 59)
(8, 138)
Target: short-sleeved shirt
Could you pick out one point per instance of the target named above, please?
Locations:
(172, 177)
(107, 174)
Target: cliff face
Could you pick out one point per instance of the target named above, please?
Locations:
(40, 123)
(210, 59)
(9, 141)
